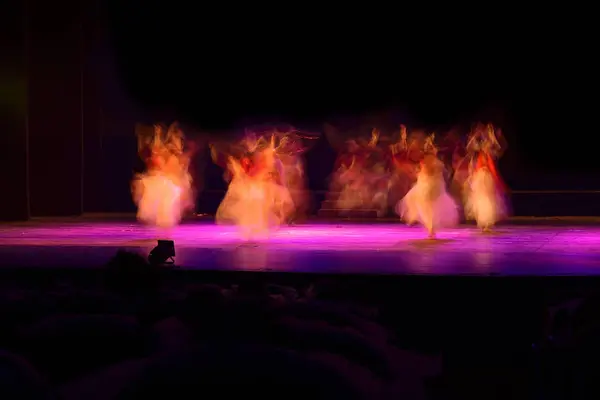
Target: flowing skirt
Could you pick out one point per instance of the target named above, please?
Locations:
(484, 201)
(159, 200)
(428, 203)
(255, 206)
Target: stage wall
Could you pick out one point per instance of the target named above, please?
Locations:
(13, 115)
(54, 71)
(68, 126)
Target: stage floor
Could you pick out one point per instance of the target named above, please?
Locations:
(381, 248)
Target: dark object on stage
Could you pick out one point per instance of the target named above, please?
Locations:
(163, 253)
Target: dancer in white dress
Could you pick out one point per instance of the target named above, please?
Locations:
(164, 192)
(427, 202)
(485, 199)
(255, 201)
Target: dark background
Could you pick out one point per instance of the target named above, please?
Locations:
(78, 78)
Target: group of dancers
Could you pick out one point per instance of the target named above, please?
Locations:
(473, 178)
(423, 179)
(266, 182)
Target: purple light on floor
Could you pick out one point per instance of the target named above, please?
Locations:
(376, 248)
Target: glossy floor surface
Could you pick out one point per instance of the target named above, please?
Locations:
(320, 248)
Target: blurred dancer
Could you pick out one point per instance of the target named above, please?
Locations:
(427, 202)
(255, 200)
(361, 178)
(406, 158)
(164, 192)
(289, 149)
(485, 196)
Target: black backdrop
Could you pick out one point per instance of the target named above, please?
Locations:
(68, 117)
(13, 118)
(42, 150)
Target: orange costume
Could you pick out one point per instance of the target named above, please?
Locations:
(484, 159)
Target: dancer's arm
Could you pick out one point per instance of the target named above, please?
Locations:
(235, 167)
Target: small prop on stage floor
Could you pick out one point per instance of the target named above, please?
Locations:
(163, 253)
